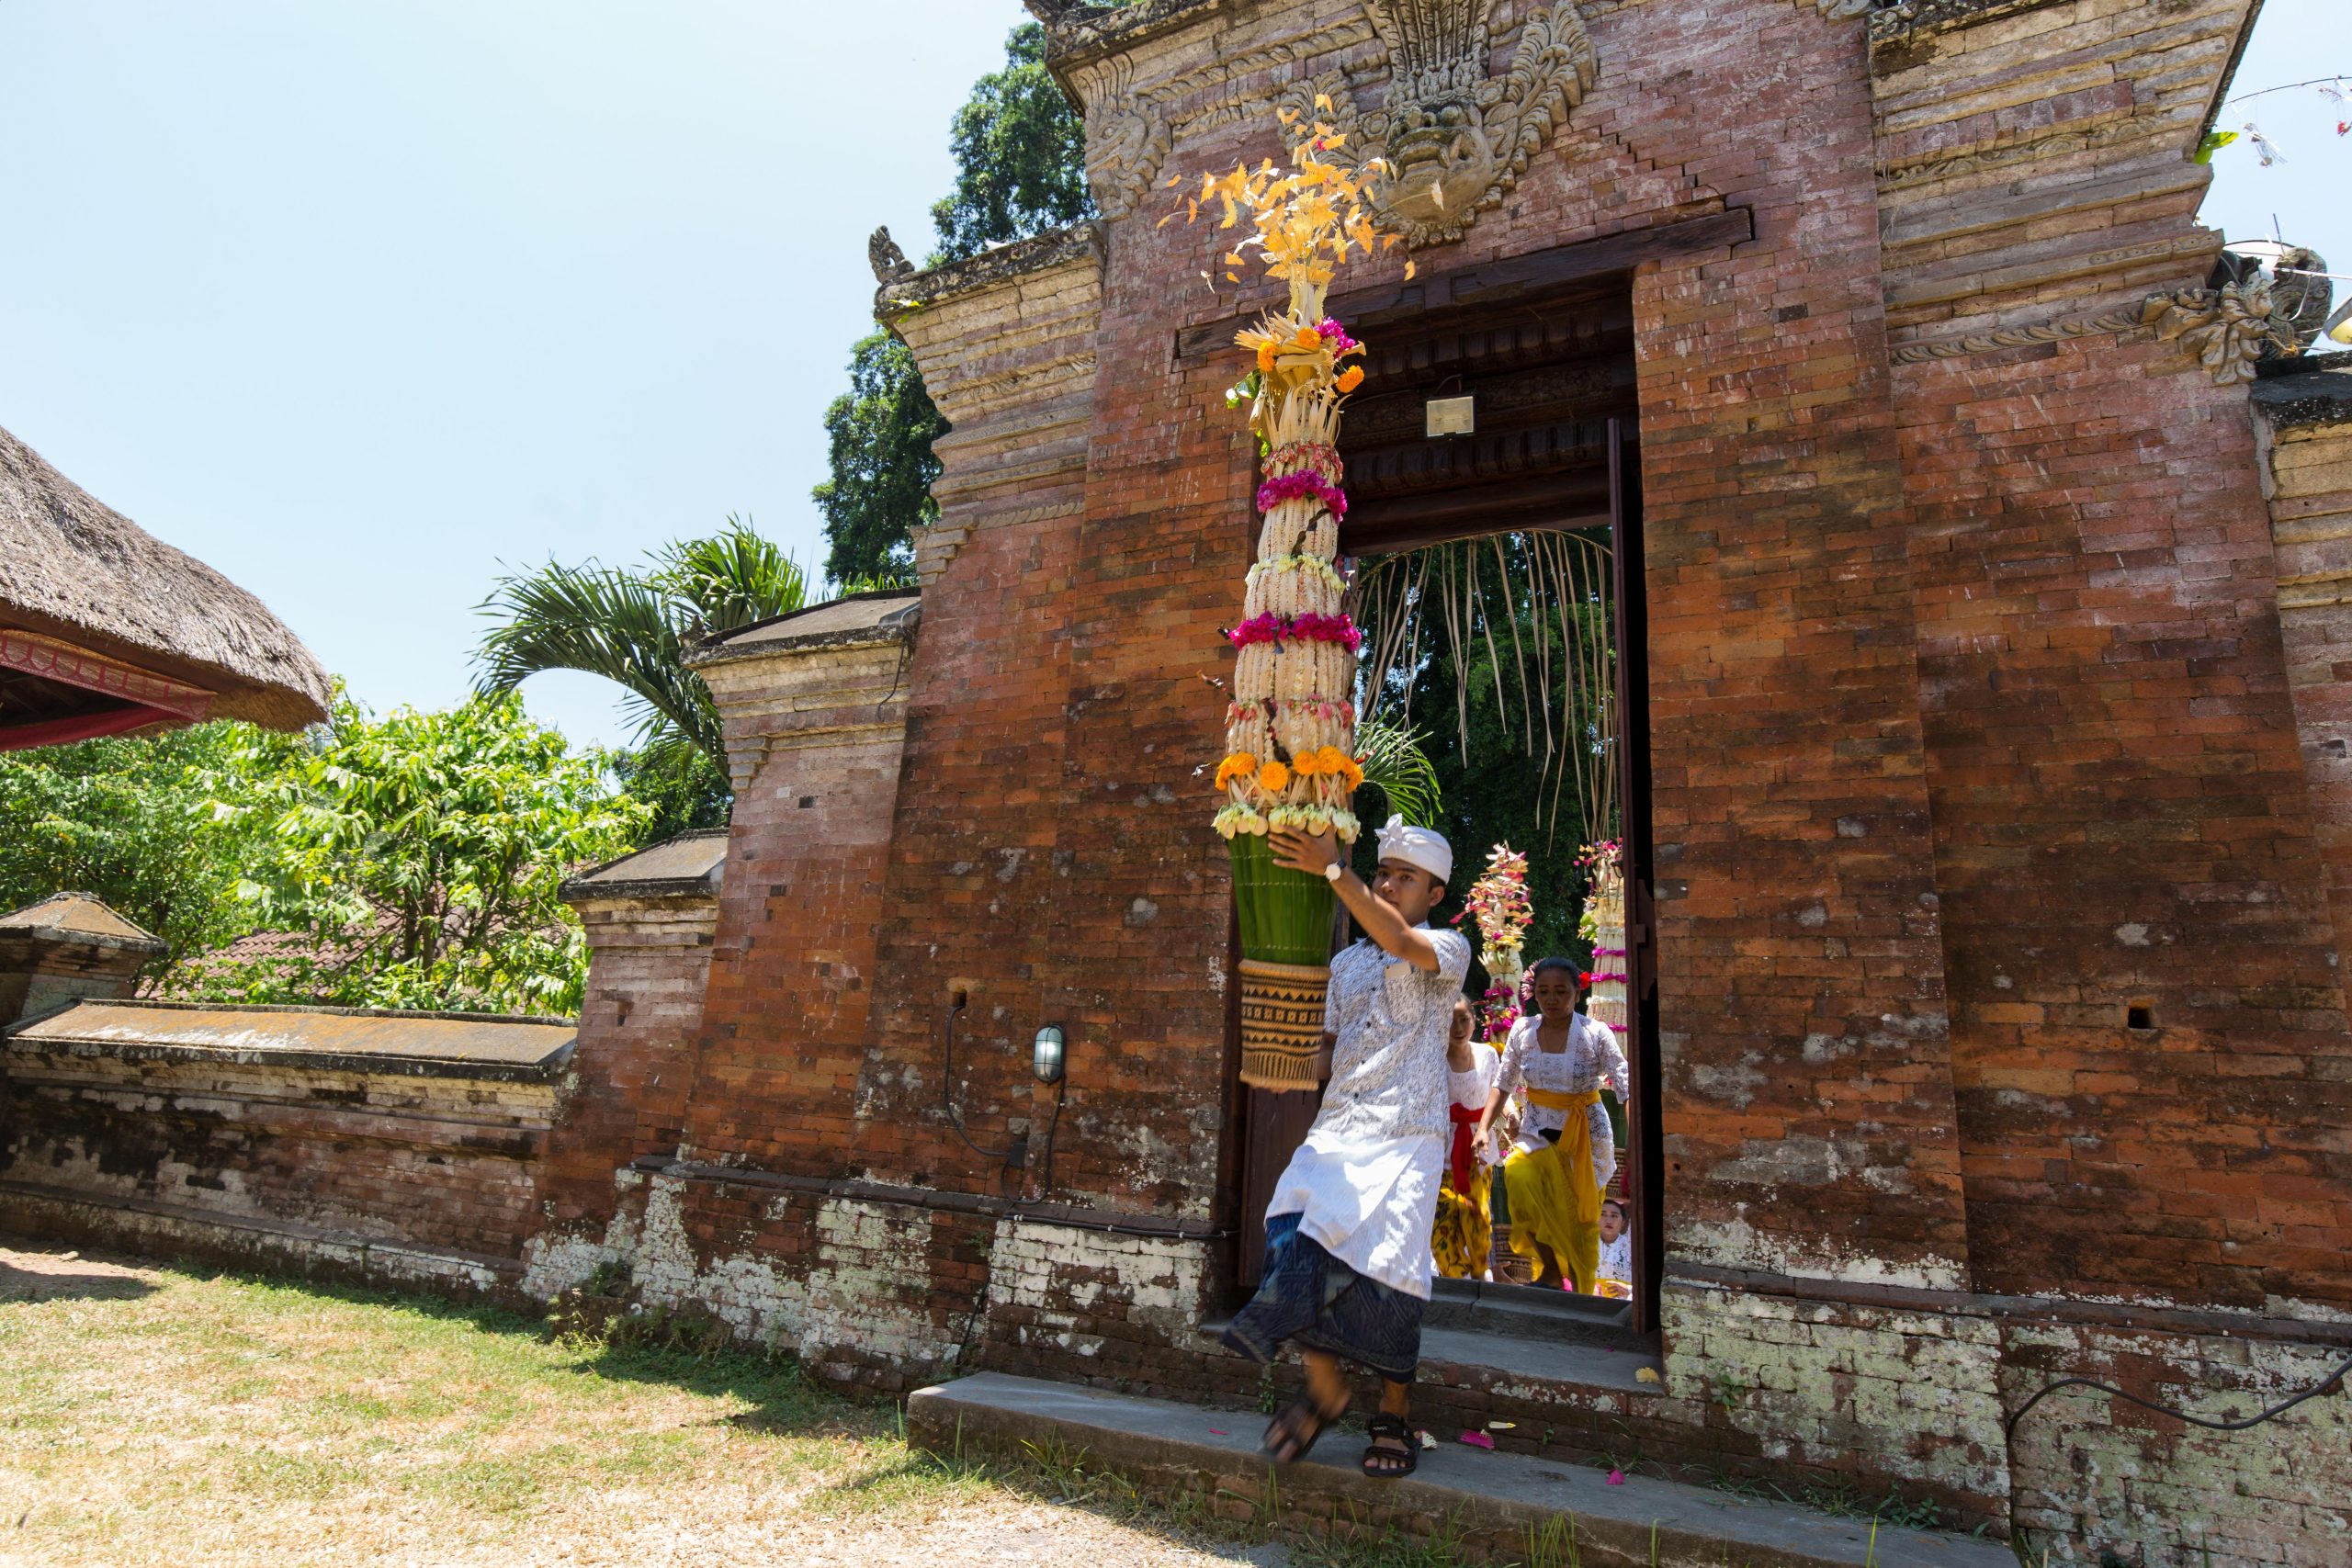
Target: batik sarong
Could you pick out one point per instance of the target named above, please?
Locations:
(1311, 1299)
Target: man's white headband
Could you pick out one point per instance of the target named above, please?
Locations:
(1417, 846)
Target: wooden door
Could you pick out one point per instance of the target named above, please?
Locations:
(1644, 1158)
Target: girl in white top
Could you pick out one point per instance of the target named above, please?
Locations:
(1567, 1152)
(1591, 1057)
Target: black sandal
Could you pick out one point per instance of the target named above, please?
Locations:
(1286, 1426)
(1387, 1464)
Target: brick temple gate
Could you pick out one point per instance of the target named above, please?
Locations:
(1995, 820)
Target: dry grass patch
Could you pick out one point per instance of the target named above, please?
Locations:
(159, 1416)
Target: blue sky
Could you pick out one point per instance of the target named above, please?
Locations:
(357, 299)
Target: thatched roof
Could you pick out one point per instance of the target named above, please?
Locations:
(74, 569)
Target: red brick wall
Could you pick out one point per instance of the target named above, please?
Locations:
(640, 1020)
(815, 737)
(446, 1162)
(2122, 818)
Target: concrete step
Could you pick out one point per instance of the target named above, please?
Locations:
(1527, 1312)
(1495, 1506)
(1543, 1364)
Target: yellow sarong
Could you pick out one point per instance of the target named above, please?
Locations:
(1554, 1197)
(1466, 1227)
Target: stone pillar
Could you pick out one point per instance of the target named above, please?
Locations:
(65, 947)
(650, 918)
(2304, 424)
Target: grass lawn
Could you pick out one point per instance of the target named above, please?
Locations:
(151, 1414)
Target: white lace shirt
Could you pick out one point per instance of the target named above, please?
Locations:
(1592, 1058)
(1365, 1183)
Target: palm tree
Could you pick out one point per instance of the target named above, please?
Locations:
(635, 626)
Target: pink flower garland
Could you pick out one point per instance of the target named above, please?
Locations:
(1304, 628)
(1337, 337)
(1291, 487)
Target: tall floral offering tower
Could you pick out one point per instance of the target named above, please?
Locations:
(1603, 925)
(1498, 902)
(1290, 733)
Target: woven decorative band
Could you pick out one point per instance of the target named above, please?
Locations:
(1282, 1024)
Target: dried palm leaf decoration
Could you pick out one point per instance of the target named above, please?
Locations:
(1290, 755)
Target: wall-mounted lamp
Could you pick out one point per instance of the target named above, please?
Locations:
(1047, 1055)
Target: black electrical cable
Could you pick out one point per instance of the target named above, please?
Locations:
(948, 1100)
(2280, 1409)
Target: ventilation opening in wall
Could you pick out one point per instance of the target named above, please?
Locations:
(2140, 1015)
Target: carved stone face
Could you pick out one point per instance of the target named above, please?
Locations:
(1443, 160)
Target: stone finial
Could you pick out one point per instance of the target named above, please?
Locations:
(891, 263)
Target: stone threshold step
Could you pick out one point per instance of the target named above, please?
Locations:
(1484, 1355)
(1491, 1503)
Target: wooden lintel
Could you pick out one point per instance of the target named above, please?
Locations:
(1494, 282)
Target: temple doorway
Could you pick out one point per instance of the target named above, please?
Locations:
(1495, 528)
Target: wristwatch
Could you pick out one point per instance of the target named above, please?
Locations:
(1333, 872)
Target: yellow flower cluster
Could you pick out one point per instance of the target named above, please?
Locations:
(1331, 763)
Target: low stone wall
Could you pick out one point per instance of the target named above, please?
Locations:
(401, 1147)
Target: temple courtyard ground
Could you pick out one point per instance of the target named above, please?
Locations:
(150, 1414)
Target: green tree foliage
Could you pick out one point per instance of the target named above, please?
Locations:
(634, 626)
(1514, 748)
(422, 853)
(679, 783)
(1020, 152)
(134, 822)
(879, 435)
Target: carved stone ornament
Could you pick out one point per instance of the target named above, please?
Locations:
(2228, 329)
(1126, 138)
(1456, 138)
(889, 263)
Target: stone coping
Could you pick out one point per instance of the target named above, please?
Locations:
(691, 865)
(859, 620)
(901, 296)
(1078, 32)
(78, 919)
(414, 1044)
(2315, 390)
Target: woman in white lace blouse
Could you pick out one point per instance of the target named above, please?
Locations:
(1566, 1151)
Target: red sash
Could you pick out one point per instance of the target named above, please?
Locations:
(1465, 1121)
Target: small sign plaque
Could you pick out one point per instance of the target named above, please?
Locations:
(1453, 416)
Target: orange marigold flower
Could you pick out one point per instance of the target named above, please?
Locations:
(1266, 357)
(1307, 338)
(1352, 378)
(1273, 778)
(1241, 764)
(1307, 764)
